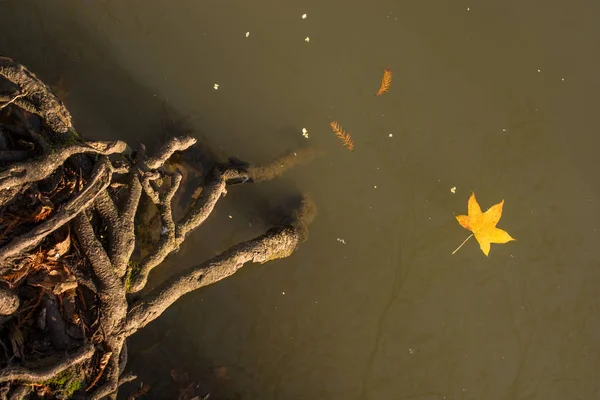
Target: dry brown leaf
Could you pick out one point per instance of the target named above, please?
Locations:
(52, 279)
(64, 286)
(13, 278)
(62, 246)
(101, 366)
(37, 260)
(43, 214)
(342, 135)
(142, 391)
(8, 223)
(386, 82)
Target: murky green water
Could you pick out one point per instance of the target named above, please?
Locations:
(497, 97)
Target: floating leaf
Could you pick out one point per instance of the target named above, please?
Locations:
(386, 82)
(483, 225)
(343, 136)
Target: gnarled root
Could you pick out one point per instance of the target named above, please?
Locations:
(67, 269)
(21, 374)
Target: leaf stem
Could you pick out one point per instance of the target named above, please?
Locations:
(461, 245)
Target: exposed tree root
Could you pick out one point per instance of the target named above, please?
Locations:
(72, 266)
(276, 243)
(213, 190)
(99, 182)
(37, 170)
(15, 374)
(32, 95)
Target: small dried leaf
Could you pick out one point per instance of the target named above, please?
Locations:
(142, 391)
(104, 360)
(101, 366)
(51, 279)
(13, 278)
(62, 287)
(62, 246)
(386, 82)
(43, 214)
(342, 135)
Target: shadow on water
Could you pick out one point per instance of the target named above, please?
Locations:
(108, 103)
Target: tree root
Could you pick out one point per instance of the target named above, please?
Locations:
(101, 265)
(20, 374)
(100, 180)
(34, 96)
(212, 191)
(275, 243)
(176, 144)
(111, 388)
(37, 170)
(121, 224)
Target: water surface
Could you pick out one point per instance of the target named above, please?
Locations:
(496, 97)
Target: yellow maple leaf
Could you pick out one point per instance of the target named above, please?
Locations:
(483, 225)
